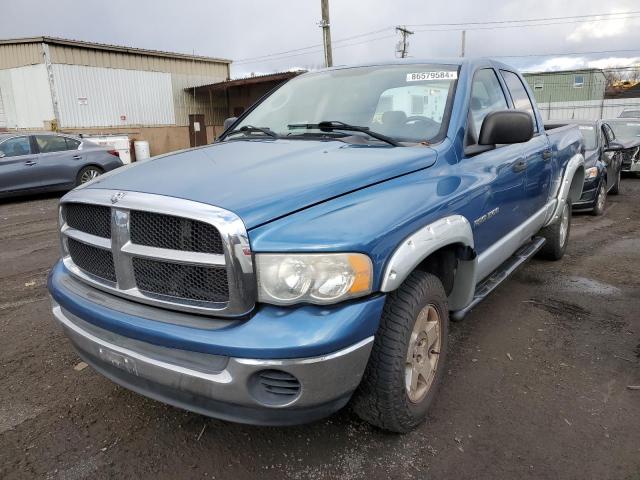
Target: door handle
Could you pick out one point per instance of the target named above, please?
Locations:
(546, 154)
(77, 157)
(30, 163)
(519, 166)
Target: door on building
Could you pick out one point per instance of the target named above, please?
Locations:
(197, 130)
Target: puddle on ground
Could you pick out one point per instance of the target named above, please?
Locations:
(588, 285)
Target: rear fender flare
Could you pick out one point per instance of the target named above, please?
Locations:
(570, 187)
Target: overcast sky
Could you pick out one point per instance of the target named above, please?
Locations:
(252, 28)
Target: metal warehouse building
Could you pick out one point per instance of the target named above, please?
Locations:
(50, 83)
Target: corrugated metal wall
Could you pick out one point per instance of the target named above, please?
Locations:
(20, 55)
(26, 96)
(99, 97)
(3, 117)
(184, 73)
(136, 61)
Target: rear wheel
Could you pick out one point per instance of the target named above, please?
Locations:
(601, 199)
(407, 361)
(557, 235)
(88, 173)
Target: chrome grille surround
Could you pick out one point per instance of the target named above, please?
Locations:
(236, 259)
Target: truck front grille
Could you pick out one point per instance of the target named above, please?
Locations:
(176, 233)
(93, 260)
(93, 219)
(121, 243)
(205, 284)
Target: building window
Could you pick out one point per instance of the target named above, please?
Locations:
(538, 86)
(578, 81)
(417, 104)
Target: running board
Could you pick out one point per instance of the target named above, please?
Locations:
(500, 274)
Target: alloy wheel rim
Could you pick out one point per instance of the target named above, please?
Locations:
(89, 175)
(564, 225)
(423, 354)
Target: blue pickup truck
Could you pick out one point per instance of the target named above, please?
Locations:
(314, 254)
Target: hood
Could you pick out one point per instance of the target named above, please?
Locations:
(260, 180)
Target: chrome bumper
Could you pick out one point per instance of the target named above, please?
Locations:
(219, 386)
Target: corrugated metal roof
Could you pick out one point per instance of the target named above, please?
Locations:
(269, 77)
(108, 47)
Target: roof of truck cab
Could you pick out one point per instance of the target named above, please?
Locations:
(471, 61)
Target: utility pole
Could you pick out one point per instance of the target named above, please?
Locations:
(403, 45)
(464, 40)
(326, 33)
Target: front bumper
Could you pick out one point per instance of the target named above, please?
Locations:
(589, 195)
(631, 164)
(216, 367)
(222, 387)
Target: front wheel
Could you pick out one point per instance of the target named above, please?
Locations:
(407, 360)
(557, 235)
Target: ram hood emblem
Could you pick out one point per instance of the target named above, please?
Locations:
(116, 197)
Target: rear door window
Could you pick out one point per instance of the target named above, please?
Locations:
(519, 94)
(72, 144)
(14, 147)
(51, 143)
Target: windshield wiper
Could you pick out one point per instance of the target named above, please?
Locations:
(329, 126)
(251, 128)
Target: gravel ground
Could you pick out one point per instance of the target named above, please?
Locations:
(537, 383)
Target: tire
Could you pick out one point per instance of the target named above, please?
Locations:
(601, 199)
(557, 240)
(87, 174)
(615, 190)
(383, 398)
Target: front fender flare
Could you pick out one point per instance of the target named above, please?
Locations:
(451, 230)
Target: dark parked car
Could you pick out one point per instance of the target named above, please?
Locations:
(37, 162)
(602, 164)
(628, 132)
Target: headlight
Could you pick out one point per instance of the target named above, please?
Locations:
(284, 279)
(591, 173)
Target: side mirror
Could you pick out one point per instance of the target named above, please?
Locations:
(506, 127)
(2, 154)
(228, 122)
(614, 147)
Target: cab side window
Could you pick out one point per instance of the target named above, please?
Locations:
(519, 95)
(486, 97)
(14, 147)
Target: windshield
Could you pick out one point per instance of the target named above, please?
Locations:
(625, 130)
(589, 134)
(407, 103)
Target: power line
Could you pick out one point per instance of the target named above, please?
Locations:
(632, 50)
(632, 17)
(360, 35)
(312, 49)
(523, 20)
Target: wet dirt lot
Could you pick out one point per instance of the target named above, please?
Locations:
(537, 383)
